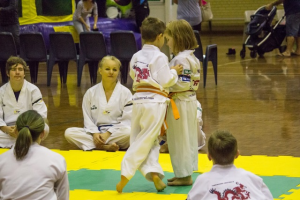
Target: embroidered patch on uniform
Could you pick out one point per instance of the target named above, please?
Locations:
(196, 82)
(185, 78)
(141, 71)
(186, 71)
(93, 107)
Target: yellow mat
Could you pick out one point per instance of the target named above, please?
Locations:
(277, 172)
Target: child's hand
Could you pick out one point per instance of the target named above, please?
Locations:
(178, 69)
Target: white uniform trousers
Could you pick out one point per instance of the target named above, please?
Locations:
(182, 137)
(6, 141)
(85, 141)
(143, 153)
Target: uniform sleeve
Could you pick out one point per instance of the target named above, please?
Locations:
(38, 104)
(125, 119)
(89, 123)
(11, 8)
(197, 190)
(162, 74)
(265, 190)
(61, 186)
(132, 72)
(2, 123)
(95, 9)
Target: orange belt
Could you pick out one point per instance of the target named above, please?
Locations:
(165, 94)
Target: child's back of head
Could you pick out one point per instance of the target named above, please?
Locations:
(183, 35)
(222, 147)
(151, 28)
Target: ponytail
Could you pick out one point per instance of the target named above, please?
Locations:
(30, 125)
(23, 143)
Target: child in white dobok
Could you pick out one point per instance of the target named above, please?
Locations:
(182, 134)
(224, 179)
(152, 77)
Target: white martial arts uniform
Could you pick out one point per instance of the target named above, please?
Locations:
(229, 182)
(101, 116)
(41, 174)
(30, 98)
(148, 67)
(182, 134)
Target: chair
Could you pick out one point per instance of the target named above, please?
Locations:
(62, 50)
(198, 51)
(92, 50)
(123, 46)
(7, 49)
(211, 54)
(33, 50)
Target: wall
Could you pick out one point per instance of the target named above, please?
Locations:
(228, 15)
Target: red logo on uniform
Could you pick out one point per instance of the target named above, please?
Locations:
(237, 193)
(141, 73)
(196, 82)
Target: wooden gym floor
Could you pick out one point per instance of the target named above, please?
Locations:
(258, 100)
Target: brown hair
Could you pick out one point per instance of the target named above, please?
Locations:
(222, 147)
(182, 34)
(30, 125)
(14, 61)
(151, 28)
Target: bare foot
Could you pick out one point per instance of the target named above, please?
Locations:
(164, 148)
(172, 179)
(108, 147)
(158, 183)
(181, 181)
(121, 184)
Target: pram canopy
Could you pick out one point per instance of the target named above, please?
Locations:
(261, 20)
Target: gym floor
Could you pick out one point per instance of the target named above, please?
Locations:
(256, 99)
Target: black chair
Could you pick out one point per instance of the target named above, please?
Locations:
(123, 46)
(211, 54)
(7, 49)
(62, 50)
(198, 51)
(33, 50)
(92, 50)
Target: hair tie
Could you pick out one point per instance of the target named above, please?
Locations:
(27, 126)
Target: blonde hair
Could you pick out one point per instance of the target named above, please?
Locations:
(113, 58)
(182, 34)
(30, 125)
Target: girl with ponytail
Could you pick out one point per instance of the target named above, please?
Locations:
(31, 171)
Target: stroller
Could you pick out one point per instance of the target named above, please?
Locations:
(262, 36)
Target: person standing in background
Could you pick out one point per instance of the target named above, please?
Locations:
(190, 11)
(9, 19)
(292, 13)
(141, 10)
(81, 15)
